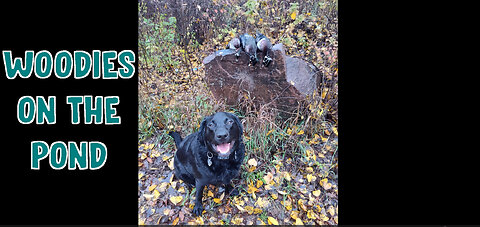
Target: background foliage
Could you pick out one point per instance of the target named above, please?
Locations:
(290, 171)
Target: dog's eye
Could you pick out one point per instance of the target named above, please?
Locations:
(210, 125)
(229, 122)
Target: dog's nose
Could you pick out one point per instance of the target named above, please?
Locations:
(222, 135)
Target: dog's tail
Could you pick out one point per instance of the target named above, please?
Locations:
(176, 136)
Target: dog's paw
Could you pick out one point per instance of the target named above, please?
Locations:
(197, 209)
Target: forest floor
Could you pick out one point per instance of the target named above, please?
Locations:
(290, 171)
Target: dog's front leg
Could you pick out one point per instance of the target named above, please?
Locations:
(198, 208)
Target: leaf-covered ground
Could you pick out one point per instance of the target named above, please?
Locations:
(280, 195)
(289, 175)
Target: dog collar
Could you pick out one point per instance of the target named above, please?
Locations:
(210, 156)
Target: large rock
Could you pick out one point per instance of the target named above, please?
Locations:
(283, 83)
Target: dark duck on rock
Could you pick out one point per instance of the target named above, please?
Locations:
(250, 47)
(264, 45)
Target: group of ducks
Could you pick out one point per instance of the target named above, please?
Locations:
(250, 45)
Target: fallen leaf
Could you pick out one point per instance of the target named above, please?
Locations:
(301, 203)
(293, 15)
(156, 194)
(300, 133)
(331, 210)
(268, 178)
(217, 200)
(294, 214)
(166, 211)
(170, 164)
(181, 190)
(176, 199)
(259, 183)
(175, 222)
(199, 220)
(153, 186)
(257, 211)
(249, 209)
(268, 133)
(309, 177)
(274, 195)
(210, 193)
(261, 202)
(298, 221)
(272, 221)
(316, 193)
(251, 189)
(237, 220)
(309, 169)
(252, 162)
(240, 208)
(311, 215)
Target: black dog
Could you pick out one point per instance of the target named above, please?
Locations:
(212, 155)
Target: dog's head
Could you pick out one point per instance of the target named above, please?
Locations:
(221, 133)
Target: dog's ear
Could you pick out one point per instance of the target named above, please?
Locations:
(201, 131)
(238, 122)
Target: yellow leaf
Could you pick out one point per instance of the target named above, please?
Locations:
(323, 181)
(257, 211)
(252, 162)
(302, 205)
(162, 187)
(272, 221)
(217, 200)
(156, 194)
(298, 221)
(176, 199)
(261, 222)
(249, 209)
(316, 193)
(199, 220)
(274, 195)
(268, 133)
(237, 220)
(239, 207)
(289, 131)
(300, 133)
(210, 193)
(311, 215)
(287, 176)
(251, 189)
(251, 169)
(335, 131)
(262, 203)
(331, 210)
(259, 183)
(268, 178)
(181, 190)
(166, 211)
(153, 186)
(170, 164)
(309, 177)
(150, 146)
(140, 175)
(294, 214)
(293, 15)
(309, 169)
(175, 222)
(166, 157)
